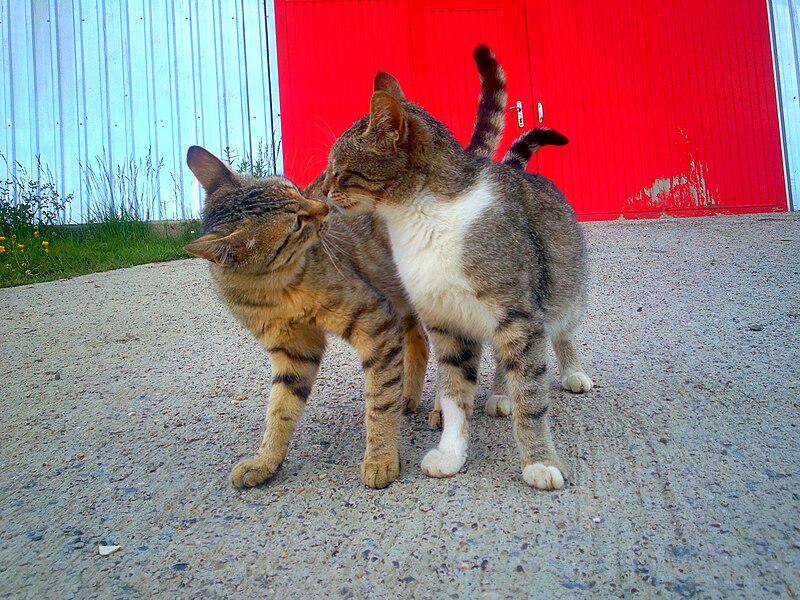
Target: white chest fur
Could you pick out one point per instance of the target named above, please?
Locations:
(428, 245)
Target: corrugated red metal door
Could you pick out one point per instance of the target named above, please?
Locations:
(669, 106)
(443, 37)
(328, 54)
(330, 50)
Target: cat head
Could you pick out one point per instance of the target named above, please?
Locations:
(252, 225)
(385, 157)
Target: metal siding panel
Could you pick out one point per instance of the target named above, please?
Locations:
(785, 37)
(271, 69)
(138, 76)
(45, 97)
(114, 65)
(23, 100)
(114, 79)
(6, 108)
(253, 37)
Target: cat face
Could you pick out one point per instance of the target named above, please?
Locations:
(253, 225)
(381, 158)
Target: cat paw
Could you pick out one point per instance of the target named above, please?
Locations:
(498, 406)
(438, 463)
(543, 477)
(435, 419)
(410, 404)
(251, 472)
(379, 472)
(577, 382)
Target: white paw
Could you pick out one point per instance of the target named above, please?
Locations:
(438, 463)
(543, 477)
(498, 406)
(577, 382)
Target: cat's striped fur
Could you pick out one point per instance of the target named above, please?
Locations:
(526, 145)
(486, 253)
(291, 271)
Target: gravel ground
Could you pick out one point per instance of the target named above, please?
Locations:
(128, 396)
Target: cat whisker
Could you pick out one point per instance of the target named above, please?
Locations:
(338, 248)
(330, 255)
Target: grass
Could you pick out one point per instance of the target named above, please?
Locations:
(120, 202)
(48, 252)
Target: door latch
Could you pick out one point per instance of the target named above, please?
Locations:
(520, 119)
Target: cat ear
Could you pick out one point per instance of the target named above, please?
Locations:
(226, 251)
(386, 119)
(387, 83)
(210, 171)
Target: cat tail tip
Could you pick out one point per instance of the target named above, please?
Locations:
(487, 63)
(526, 145)
(550, 137)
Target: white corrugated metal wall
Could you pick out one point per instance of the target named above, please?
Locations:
(785, 16)
(121, 79)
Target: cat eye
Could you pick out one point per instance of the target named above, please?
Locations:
(300, 221)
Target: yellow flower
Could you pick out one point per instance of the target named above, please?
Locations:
(46, 250)
(45, 243)
(2, 238)
(36, 232)
(2, 249)
(20, 246)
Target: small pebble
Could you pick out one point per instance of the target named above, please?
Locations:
(756, 327)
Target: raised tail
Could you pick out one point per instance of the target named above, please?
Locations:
(491, 117)
(528, 143)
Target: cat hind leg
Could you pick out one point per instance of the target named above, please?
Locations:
(560, 331)
(521, 348)
(416, 362)
(499, 403)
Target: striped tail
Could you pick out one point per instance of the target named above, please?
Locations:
(528, 143)
(491, 118)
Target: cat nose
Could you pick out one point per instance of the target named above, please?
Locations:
(319, 208)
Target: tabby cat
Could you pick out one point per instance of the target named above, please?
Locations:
(290, 270)
(486, 253)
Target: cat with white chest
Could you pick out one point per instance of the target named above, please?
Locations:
(486, 252)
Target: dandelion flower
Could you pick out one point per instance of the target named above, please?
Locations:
(44, 243)
(46, 250)
(20, 246)
(2, 249)
(35, 232)
(2, 238)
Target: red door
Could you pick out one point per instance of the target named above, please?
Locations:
(669, 106)
(330, 50)
(445, 81)
(328, 54)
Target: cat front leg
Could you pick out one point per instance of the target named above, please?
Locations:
(295, 364)
(378, 338)
(521, 347)
(457, 358)
(368, 321)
